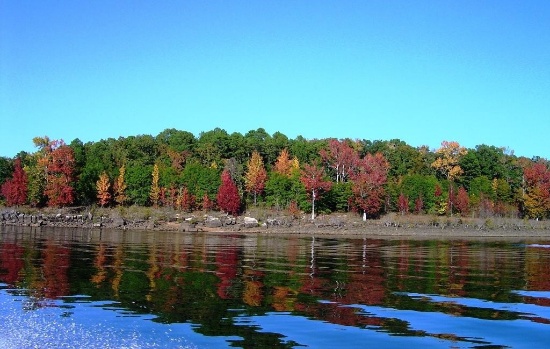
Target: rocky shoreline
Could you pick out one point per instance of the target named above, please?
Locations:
(344, 225)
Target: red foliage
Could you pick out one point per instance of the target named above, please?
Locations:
(15, 189)
(313, 178)
(462, 201)
(403, 204)
(206, 204)
(187, 201)
(228, 195)
(438, 192)
(340, 157)
(368, 184)
(59, 176)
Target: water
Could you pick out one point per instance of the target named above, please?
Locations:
(69, 288)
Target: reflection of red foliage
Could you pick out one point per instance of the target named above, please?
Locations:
(11, 261)
(55, 267)
(226, 260)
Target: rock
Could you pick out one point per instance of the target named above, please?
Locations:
(250, 222)
(213, 222)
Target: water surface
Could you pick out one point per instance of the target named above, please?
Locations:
(75, 288)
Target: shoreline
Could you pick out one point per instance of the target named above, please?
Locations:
(277, 223)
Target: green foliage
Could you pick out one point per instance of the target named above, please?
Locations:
(414, 186)
(337, 198)
(492, 176)
(177, 140)
(6, 169)
(199, 179)
(280, 190)
(138, 181)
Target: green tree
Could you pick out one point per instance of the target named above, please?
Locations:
(138, 181)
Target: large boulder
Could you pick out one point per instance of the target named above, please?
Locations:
(213, 222)
(250, 222)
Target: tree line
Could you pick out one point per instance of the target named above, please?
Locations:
(231, 172)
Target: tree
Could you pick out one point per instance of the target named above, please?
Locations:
(313, 178)
(103, 186)
(403, 204)
(154, 193)
(228, 195)
(186, 201)
(120, 187)
(341, 158)
(14, 189)
(59, 167)
(462, 201)
(256, 175)
(284, 165)
(447, 162)
(206, 204)
(537, 190)
(418, 205)
(368, 184)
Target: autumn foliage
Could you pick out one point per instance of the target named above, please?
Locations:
(537, 195)
(103, 186)
(178, 170)
(256, 176)
(59, 164)
(15, 189)
(368, 184)
(228, 195)
(313, 178)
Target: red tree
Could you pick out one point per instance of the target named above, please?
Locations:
(187, 200)
(368, 184)
(403, 204)
(228, 195)
(462, 201)
(313, 178)
(340, 157)
(15, 189)
(59, 175)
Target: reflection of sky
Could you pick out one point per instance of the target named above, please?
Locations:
(84, 324)
(439, 329)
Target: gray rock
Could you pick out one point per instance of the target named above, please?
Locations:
(213, 222)
(250, 222)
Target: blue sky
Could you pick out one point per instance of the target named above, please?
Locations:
(477, 72)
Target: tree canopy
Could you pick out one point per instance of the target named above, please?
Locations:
(178, 169)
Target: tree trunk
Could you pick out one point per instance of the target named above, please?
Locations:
(312, 204)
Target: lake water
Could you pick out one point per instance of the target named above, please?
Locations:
(68, 288)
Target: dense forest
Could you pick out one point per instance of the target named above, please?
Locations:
(231, 172)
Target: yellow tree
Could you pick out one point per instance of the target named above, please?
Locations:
(285, 165)
(154, 194)
(256, 175)
(103, 186)
(447, 163)
(120, 187)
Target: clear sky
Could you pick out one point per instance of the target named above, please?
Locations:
(473, 71)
